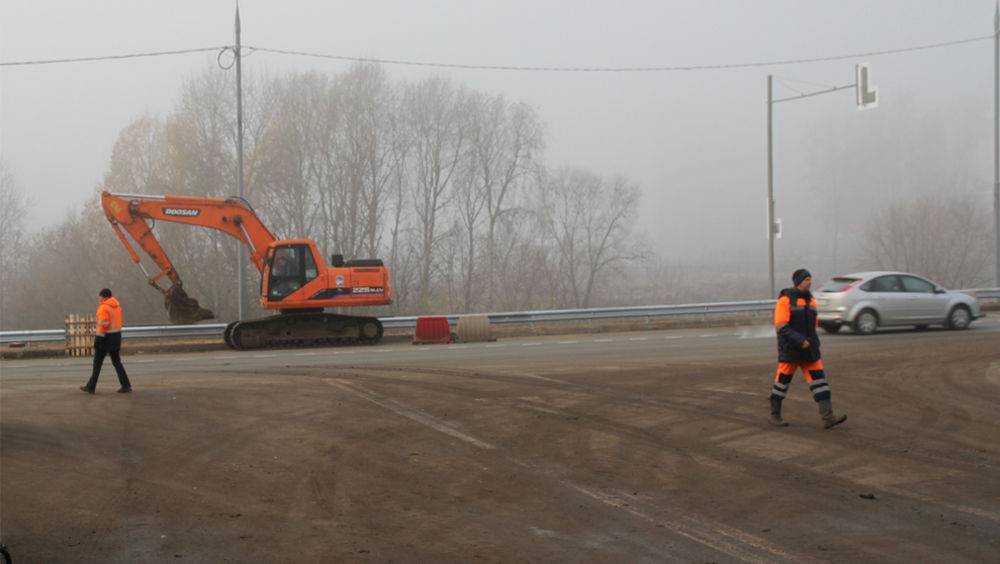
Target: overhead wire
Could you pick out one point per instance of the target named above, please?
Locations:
(109, 57)
(788, 86)
(664, 68)
(433, 64)
(796, 80)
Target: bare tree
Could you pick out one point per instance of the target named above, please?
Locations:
(294, 172)
(13, 230)
(526, 266)
(943, 238)
(374, 151)
(402, 264)
(470, 200)
(503, 141)
(436, 110)
(590, 219)
(13, 216)
(511, 149)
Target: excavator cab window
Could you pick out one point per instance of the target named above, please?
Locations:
(292, 266)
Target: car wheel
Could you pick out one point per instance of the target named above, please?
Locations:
(830, 327)
(866, 322)
(959, 318)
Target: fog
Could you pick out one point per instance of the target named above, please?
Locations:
(692, 141)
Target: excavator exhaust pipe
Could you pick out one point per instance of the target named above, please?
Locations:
(183, 309)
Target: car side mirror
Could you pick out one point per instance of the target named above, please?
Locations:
(940, 291)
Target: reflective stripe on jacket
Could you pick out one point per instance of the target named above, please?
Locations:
(795, 319)
(109, 317)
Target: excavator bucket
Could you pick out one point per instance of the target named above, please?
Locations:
(183, 309)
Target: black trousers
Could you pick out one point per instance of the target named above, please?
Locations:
(108, 345)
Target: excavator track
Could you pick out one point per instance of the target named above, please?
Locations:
(302, 330)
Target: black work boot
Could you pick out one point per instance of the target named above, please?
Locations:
(127, 390)
(829, 419)
(87, 389)
(776, 419)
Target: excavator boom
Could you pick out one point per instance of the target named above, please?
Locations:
(133, 213)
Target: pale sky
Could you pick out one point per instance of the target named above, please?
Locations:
(693, 140)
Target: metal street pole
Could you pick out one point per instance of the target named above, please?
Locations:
(770, 184)
(865, 99)
(996, 138)
(242, 260)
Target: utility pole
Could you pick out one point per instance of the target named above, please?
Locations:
(867, 98)
(770, 183)
(996, 139)
(241, 256)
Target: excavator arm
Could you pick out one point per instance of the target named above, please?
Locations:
(132, 214)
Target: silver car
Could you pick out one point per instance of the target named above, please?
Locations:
(868, 300)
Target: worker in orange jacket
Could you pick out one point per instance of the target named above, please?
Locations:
(108, 342)
(795, 319)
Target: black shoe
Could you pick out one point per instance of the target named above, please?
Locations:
(86, 389)
(127, 390)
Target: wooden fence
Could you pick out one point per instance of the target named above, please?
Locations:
(80, 331)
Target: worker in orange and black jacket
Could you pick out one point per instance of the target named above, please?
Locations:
(795, 319)
(108, 342)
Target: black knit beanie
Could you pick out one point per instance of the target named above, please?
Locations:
(799, 275)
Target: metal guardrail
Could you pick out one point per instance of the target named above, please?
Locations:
(215, 329)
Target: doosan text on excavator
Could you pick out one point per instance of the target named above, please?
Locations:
(295, 279)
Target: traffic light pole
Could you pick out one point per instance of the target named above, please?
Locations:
(769, 112)
(770, 182)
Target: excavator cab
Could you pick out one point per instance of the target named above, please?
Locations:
(289, 267)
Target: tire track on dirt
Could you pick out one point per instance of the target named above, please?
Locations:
(717, 454)
(695, 404)
(727, 540)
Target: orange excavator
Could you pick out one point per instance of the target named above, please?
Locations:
(295, 278)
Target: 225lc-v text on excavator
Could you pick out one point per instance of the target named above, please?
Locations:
(295, 278)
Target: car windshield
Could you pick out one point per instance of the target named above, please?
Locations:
(838, 285)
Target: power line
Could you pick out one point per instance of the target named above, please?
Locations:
(814, 93)
(787, 85)
(666, 68)
(817, 84)
(109, 57)
(662, 68)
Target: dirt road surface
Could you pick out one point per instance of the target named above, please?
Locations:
(629, 447)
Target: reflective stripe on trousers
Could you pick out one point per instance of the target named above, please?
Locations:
(815, 377)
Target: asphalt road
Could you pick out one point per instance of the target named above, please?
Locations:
(753, 341)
